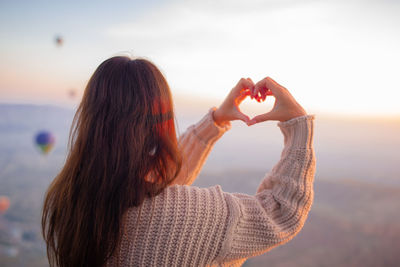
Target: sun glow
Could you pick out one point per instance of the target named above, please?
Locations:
(346, 66)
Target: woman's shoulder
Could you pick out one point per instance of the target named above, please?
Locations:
(184, 190)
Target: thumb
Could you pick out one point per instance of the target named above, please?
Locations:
(263, 117)
(239, 115)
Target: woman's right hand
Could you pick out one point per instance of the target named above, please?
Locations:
(285, 106)
(229, 109)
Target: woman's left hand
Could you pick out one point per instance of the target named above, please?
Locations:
(229, 109)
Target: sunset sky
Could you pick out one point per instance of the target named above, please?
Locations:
(335, 56)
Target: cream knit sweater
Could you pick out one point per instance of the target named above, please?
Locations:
(191, 226)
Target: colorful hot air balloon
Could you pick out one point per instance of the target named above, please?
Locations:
(45, 141)
(59, 40)
(4, 204)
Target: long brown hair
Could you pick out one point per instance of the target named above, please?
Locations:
(122, 148)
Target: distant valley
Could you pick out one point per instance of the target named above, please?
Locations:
(354, 220)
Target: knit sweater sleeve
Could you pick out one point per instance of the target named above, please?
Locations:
(195, 146)
(280, 207)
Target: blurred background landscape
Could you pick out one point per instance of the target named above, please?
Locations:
(354, 220)
(338, 58)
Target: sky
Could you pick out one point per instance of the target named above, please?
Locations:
(337, 57)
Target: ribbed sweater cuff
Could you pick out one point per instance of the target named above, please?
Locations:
(207, 130)
(298, 132)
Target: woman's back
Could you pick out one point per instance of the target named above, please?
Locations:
(190, 226)
(182, 226)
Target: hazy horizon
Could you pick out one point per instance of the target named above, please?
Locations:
(185, 104)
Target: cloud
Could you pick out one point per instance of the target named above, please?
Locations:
(204, 47)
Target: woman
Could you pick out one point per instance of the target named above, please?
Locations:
(123, 197)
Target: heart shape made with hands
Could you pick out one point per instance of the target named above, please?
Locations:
(248, 108)
(245, 91)
(284, 107)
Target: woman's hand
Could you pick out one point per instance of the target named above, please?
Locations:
(229, 110)
(285, 107)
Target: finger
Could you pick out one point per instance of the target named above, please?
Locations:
(263, 97)
(270, 85)
(260, 86)
(263, 94)
(247, 83)
(252, 88)
(243, 95)
(255, 91)
(239, 115)
(260, 118)
(245, 91)
(266, 93)
(243, 84)
(250, 85)
(250, 80)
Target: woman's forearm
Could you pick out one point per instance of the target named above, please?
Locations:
(298, 152)
(279, 209)
(195, 146)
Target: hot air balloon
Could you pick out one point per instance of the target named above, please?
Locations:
(45, 141)
(4, 204)
(59, 40)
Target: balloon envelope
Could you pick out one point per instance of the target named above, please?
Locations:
(4, 204)
(45, 141)
(59, 40)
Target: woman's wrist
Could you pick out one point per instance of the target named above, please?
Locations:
(218, 119)
(294, 115)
